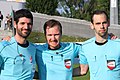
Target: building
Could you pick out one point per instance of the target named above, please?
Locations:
(8, 5)
(119, 12)
(16, 0)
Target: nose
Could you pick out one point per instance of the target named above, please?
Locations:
(53, 37)
(26, 26)
(102, 25)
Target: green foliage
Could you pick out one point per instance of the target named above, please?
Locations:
(43, 6)
(77, 8)
(102, 5)
(82, 10)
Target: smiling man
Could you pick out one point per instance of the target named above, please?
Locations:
(55, 58)
(17, 57)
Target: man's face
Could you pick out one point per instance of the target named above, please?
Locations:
(100, 25)
(23, 27)
(53, 37)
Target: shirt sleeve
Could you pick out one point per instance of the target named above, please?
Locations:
(1, 62)
(39, 62)
(3, 44)
(82, 57)
(1, 59)
(77, 48)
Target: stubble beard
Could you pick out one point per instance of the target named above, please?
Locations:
(103, 34)
(25, 34)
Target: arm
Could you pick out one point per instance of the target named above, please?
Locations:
(112, 36)
(83, 64)
(6, 38)
(39, 63)
(80, 71)
(36, 75)
(84, 68)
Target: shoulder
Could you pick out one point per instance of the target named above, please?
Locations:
(70, 45)
(89, 41)
(117, 41)
(41, 46)
(66, 44)
(7, 43)
(32, 44)
(3, 44)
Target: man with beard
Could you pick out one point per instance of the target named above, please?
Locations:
(101, 54)
(17, 57)
(55, 58)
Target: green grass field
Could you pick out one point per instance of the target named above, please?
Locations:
(37, 37)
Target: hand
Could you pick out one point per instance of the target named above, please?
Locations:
(6, 38)
(36, 75)
(112, 36)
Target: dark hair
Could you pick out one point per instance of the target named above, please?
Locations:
(51, 23)
(97, 12)
(22, 13)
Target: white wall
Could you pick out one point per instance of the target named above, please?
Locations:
(7, 6)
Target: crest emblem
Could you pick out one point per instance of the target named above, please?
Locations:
(111, 64)
(30, 59)
(67, 63)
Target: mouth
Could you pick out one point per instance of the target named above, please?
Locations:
(54, 42)
(26, 30)
(102, 30)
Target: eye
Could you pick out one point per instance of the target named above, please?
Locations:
(29, 23)
(57, 34)
(22, 23)
(104, 22)
(98, 23)
(49, 34)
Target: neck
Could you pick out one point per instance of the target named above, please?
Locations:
(20, 40)
(101, 43)
(101, 39)
(56, 48)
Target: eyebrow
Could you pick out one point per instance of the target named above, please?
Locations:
(101, 22)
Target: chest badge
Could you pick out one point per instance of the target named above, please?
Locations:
(67, 63)
(30, 59)
(111, 64)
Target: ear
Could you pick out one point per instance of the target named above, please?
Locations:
(14, 24)
(91, 26)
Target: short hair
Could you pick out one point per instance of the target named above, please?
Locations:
(51, 23)
(97, 12)
(22, 13)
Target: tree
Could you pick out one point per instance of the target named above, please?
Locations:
(103, 5)
(43, 6)
(82, 9)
